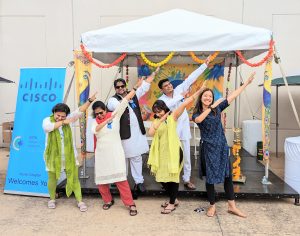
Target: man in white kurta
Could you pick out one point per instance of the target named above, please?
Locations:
(137, 143)
(173, 98)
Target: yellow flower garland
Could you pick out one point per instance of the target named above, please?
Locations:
(158, 64)
(198, 60)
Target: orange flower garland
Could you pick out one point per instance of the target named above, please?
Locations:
(89, 57)
(270, 53)
(200, 61)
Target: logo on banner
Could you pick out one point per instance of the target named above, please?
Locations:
(39, 90)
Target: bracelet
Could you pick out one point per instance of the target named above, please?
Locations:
(90, 100)
(134, 88)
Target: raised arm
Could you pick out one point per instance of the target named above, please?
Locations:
(145, 84)
(238, 91)
(178, 111)
(185, 85)
(155, 124)
(85, 106)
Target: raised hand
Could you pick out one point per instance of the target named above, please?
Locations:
(93, 97)
(207, 60)
(251, 78)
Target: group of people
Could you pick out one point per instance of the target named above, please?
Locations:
(121, 141)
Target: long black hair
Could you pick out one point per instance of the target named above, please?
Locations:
(199, 108)
(158, 106)
(98, 104)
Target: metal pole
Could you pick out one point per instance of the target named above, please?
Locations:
(278, 61)
(277, 125)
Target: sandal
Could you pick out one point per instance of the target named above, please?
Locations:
(82, 207)
(189, 186)
(51, 204)
(106, 206)
(132, 212)
(166, 203)
(166, 211)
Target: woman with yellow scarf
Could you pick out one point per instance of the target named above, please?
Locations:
(166, 156)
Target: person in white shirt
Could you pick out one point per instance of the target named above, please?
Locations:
(173, 98)
(132, 130)
(60, 153)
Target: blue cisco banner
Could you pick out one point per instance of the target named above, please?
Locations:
(39, 90)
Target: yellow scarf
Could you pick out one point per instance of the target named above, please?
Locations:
(175, 165)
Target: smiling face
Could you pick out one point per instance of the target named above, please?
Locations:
(167, 88)
(99, 113)
(59, 116)
(207, 98)
(120, 88)
(159, 113)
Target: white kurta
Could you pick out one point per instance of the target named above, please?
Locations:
(183, 122)
(48, 127)
(137, 144)
(110, 164)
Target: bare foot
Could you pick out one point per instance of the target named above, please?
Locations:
(235, 211)
(211, 211)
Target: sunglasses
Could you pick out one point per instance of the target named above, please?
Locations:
(99, 113)
(121, 86)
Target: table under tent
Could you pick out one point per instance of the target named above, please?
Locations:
(179, 36)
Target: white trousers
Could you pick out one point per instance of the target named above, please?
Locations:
(136, 168)
(187, 169)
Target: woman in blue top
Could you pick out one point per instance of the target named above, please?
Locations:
(215, 163)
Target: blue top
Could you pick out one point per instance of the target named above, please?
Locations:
(214, 149)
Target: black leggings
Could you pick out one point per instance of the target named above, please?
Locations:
(228, 187)
(172, 190)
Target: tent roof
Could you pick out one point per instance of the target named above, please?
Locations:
(176, 30)
(2, 80)
(292, 81)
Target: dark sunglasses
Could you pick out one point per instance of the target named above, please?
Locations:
(121, 86)
(99, 113)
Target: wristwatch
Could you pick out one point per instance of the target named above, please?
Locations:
(90, 100)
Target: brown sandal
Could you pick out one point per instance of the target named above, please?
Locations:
(189, 186)
(132, 212)
(166, 211)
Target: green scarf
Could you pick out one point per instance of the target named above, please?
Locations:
(174, 149)
(53, 155)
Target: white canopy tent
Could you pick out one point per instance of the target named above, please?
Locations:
(176, 30)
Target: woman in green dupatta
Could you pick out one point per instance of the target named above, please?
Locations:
(60, 153)
(166, 157)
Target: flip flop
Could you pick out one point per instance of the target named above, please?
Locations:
(52, 204)
(82, 207)
(167, 211)
(166, 203)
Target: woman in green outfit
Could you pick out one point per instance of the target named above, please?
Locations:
(165, 157)
(60, 152)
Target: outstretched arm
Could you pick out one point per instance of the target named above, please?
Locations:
(185, 85)
(85, 106)
(145, 84)
(238, 91)
(178, 111)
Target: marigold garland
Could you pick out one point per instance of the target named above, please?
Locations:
(270, 53)
(200, 61)
(158, 64)
(90, 58)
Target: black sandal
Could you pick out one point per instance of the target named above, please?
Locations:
(131, 211)
(106, 206)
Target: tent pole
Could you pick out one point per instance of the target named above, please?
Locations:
(278, 61)
(236, 86)
(277, 121)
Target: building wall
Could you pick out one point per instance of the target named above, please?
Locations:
(44, 34)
